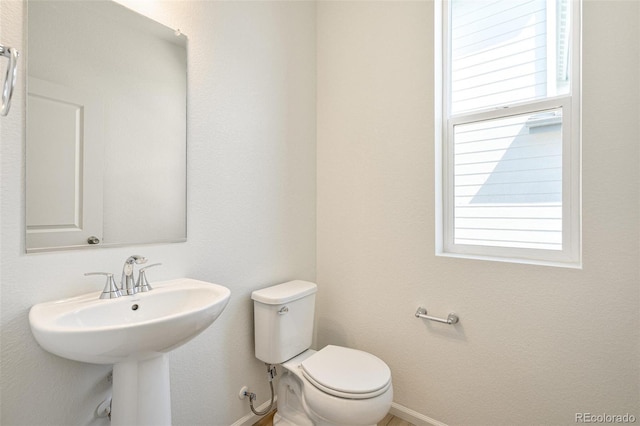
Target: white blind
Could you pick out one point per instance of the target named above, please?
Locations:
(508, 181)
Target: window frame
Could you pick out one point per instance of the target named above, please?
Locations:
(570, 255)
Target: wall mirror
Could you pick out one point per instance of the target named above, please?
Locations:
(105, 127)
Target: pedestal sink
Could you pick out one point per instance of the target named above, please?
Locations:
(134, 333)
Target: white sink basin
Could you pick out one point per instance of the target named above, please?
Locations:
(134, 333)
(138, 327)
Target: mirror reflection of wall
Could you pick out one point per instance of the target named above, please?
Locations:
(106, 127)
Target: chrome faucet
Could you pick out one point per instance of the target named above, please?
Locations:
(127, 283)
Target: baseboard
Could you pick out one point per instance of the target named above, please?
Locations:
(413, 416)
(396, 409)
(251, 418)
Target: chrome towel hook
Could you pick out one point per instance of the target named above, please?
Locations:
(9, 79)
(451, 319)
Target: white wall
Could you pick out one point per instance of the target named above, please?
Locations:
(535, 344)
(251, 213)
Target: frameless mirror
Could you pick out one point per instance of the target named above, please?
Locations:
(105, 127)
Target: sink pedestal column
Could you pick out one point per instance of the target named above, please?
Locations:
(141, 393)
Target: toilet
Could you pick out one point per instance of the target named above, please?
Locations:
(335, 386)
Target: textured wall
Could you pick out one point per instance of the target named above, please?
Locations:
(535, 344)
(251, 213)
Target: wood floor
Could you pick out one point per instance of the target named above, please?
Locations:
(266, 420)
(389, 420)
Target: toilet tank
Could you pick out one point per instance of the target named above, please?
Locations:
(283, 320)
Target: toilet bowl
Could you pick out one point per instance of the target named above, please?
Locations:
(335, 386)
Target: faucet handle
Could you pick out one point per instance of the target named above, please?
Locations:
(143, 284)
(111, 290)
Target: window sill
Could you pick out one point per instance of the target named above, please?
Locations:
(557, 264)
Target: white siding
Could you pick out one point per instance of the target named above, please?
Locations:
(498, 52)
(507, 168)
(508, 182)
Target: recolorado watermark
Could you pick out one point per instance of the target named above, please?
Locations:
(605, 418)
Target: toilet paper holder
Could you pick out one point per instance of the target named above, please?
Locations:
(451, 319)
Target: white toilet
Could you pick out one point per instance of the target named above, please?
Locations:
(332, 386)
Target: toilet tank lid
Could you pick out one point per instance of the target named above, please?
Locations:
(284, 293)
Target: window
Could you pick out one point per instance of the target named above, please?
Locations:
(510, 135)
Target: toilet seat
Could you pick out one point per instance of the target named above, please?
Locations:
(347, 373)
